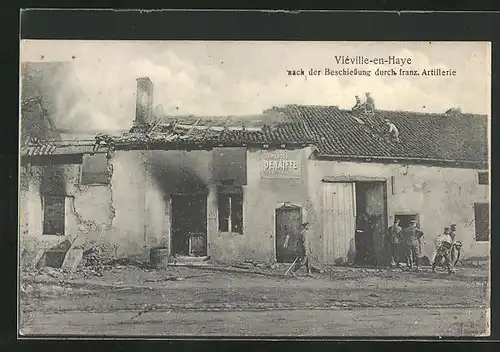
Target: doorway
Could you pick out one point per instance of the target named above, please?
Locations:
(189, 225)
(404, 219)
(288, 227)
(371, 222)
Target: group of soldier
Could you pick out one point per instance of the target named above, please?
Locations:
(405, 246)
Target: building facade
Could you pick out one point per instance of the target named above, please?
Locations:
(145, 201)
(234, 193)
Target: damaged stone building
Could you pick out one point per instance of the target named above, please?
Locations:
(231, 188)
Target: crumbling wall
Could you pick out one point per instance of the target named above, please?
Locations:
(30, 215)
(32, 240)
(130, 215)
(88, 211)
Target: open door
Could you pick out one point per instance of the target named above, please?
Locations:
(288, 224)
(339, 223)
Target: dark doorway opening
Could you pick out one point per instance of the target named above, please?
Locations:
(189, 225)
(404, 219)
(288, 227)
(371, 222)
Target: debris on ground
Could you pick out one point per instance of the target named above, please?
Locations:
(315, 269)
(173, 278)
(249, 264)
(92, 263)
(102, 257)
(272, 266)
(122, 262)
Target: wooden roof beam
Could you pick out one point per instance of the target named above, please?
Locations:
(193, 127)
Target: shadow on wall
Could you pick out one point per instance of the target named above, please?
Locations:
(170, 178)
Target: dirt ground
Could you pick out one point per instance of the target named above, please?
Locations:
(127, 300)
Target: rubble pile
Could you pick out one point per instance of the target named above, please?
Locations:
(96, 259)
(249, 264)
(92, 263)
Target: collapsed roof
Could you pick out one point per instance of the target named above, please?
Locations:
(335, 132)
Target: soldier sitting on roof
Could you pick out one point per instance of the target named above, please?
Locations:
(392, 131)
(359, 105)
(369, 104)
(99, 139)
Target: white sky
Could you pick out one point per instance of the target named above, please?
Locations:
(226, 78)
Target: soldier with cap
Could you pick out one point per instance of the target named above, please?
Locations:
(393, 239)
(412, 236)
(444, 244)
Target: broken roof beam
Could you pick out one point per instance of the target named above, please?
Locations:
(221, 127)
(193, 127)
(153, 128)
(207, 130)
(174, 125)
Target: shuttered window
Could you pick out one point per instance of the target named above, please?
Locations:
(482, 221)
(95, 169)
(53, 215)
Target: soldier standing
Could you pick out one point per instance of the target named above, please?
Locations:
(303, 250)
(411, 240)
(455, 248)
(393, 239)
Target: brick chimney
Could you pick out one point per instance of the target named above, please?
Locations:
(144, 101)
